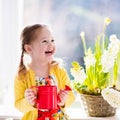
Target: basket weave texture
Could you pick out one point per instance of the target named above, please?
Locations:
(96, 106)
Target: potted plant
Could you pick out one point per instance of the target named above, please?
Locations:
(101, 70)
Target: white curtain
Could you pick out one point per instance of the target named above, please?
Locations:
(11, 14)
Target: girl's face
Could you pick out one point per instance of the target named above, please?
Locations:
(42, 48)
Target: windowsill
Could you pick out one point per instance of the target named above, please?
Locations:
(73, 113)
(79, 114)
(8, 112)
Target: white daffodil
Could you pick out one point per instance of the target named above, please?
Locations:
(89, 60)
(113, 37)
(79, 74)
(114, 45)
(107, 61)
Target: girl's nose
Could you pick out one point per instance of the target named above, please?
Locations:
(50, 44)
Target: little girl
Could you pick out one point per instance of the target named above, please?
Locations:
(38, 42)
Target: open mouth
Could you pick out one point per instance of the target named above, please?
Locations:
(49, 52)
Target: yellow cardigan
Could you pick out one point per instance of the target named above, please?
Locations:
(23, 82)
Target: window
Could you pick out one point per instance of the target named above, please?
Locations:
(67, 18)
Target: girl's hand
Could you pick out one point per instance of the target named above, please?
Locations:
(63, 95)
(30, 96)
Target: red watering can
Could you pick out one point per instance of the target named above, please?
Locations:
(47, 98)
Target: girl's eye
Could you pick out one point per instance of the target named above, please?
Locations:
(52, 40)
(44, 41)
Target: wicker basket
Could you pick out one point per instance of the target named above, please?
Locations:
(96, 106)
